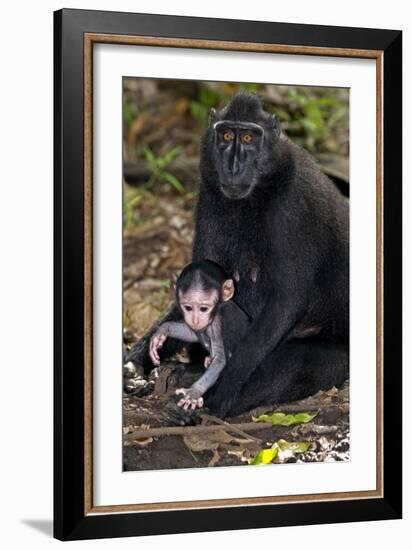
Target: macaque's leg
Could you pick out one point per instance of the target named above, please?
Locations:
(299, 368)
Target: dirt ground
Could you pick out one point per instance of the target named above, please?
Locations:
(150, 443)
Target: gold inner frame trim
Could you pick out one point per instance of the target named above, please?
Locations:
(89, 40)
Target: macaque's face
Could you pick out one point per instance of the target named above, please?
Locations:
(238, 147)
(198, 307)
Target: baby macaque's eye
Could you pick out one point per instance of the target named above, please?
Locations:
(187, 308)
(203, 309)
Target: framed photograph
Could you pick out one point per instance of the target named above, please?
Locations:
(227, 274)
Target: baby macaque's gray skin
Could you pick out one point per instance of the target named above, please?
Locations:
(200, 297)
(212, 340)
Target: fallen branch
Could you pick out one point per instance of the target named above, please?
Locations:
(189, 430)
(239, 428)
(230, 427)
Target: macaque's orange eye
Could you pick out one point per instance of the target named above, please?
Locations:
(228, 136)
(247, 138)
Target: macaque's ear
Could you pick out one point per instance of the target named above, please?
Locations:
(228, 289)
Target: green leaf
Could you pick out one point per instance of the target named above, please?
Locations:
(280, 450)
(129, 204)
(150, 157)
(265, 456)
(134, 200)
(170, 155)
(282, 419)
(174, 181)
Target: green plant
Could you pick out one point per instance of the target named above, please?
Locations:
(313, 116)
(142, 196)
(157, 167)
(129, 205)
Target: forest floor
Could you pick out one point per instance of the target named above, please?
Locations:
(150, 443)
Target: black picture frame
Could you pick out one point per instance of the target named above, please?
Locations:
(71, 519)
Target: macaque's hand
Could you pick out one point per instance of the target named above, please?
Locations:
(156, 342)
(192, 398)
(207, 361)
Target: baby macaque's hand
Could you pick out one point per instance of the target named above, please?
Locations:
(191, 398)
(207, 361)
(156, 342)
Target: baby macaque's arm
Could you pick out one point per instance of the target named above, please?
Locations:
(180, 331)
(193, 395)
(171, 329)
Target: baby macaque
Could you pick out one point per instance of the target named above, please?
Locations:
(204, 295)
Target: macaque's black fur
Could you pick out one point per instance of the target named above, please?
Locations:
(293, 230)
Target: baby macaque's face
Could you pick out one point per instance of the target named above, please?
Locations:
(198, 307)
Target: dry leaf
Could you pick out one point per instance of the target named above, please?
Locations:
(209, 441)
(198, 443)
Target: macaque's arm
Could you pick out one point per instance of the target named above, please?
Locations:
(212, 373)
(180, 331)
(171, 329)
(192, 397)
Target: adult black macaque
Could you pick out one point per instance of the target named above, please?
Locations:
(210, 317)
(269, 216)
